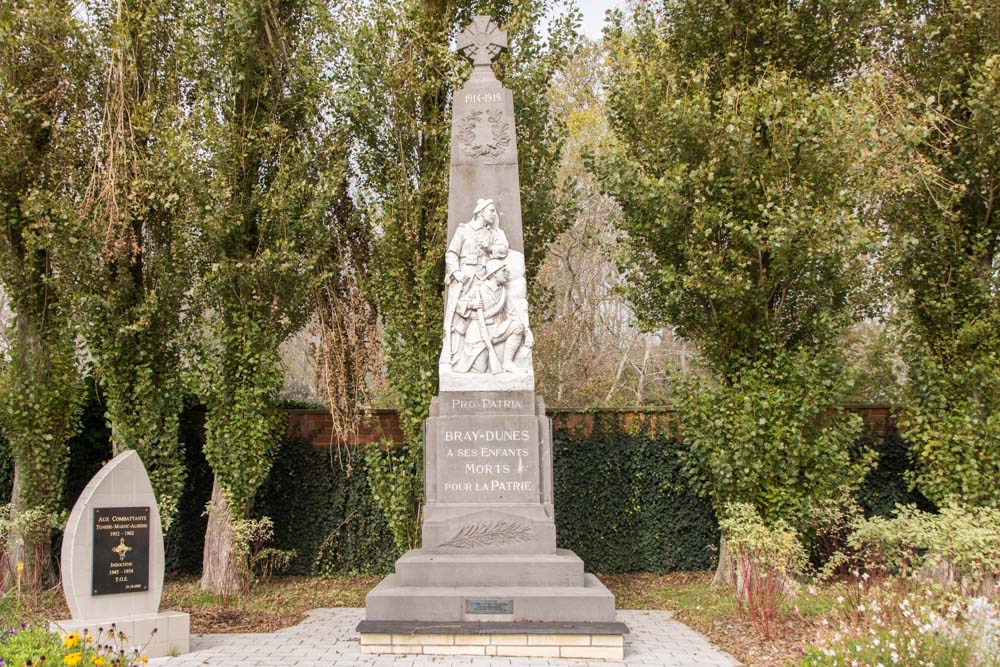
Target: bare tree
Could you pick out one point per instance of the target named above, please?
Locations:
(591, 350)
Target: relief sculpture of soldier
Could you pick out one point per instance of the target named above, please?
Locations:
(477, 315)
(483, 321)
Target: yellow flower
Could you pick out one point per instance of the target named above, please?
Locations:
(71, 640)
(73, 658)
(97, 660)
(89, 637)
(20, 566)
(143, 659)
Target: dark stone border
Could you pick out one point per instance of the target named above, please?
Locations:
(490, 628)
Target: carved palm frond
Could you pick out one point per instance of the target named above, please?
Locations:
(484, 534)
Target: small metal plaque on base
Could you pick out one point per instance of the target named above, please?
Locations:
(121, 550)
(489, 606)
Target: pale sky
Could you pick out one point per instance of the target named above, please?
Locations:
(593, 15)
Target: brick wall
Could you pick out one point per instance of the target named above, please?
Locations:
(316, 425)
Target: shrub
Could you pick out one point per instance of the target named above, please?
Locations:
(774, 436)
(24, 644)
(961, 545)
(829, 526)
(255, 561)
(765, 558)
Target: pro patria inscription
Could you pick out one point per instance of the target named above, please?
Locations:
(121, 550)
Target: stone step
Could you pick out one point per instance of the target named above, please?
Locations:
(391, 601)
(418, 568)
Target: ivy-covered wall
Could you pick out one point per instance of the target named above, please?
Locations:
(622, 503)
(323, 509)
(886, 485)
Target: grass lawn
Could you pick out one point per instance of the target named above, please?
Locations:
(712, 611)
(284, 601)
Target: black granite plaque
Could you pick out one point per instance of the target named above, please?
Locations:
(121, 550)
(489, 606)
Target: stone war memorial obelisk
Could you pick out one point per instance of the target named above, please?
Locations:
(488, 579)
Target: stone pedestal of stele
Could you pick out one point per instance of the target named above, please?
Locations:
(488, 578)
(112, 562)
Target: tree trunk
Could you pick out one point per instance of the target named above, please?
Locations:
(219, 571)
(116, 446)
(724, 575)
(29, 545)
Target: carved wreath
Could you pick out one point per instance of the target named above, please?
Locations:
(488, 534)
(499, 134)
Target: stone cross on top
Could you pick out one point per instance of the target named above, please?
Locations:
(482, 42)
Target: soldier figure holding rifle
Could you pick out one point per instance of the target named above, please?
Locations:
(473, 245)
(484, 320)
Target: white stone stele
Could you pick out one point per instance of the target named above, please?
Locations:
(162, 634)
(123, 482)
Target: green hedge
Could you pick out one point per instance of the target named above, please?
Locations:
(322, 508)
(623, 505)
(886, 485)
(89, 450)
(325, 515)
(186, 539)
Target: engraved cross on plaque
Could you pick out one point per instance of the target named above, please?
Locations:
(482, 42)
(122, 549)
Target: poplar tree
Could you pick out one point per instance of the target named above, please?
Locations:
(740, 166)
(275, 177)
(44, 122)
(944, 244)
(142, 231)
(398, 80)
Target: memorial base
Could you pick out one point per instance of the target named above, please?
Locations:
(162, 634)
(488, 534)
(392, 601)
(590, 641)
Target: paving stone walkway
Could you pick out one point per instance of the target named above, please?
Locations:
(326, 638)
